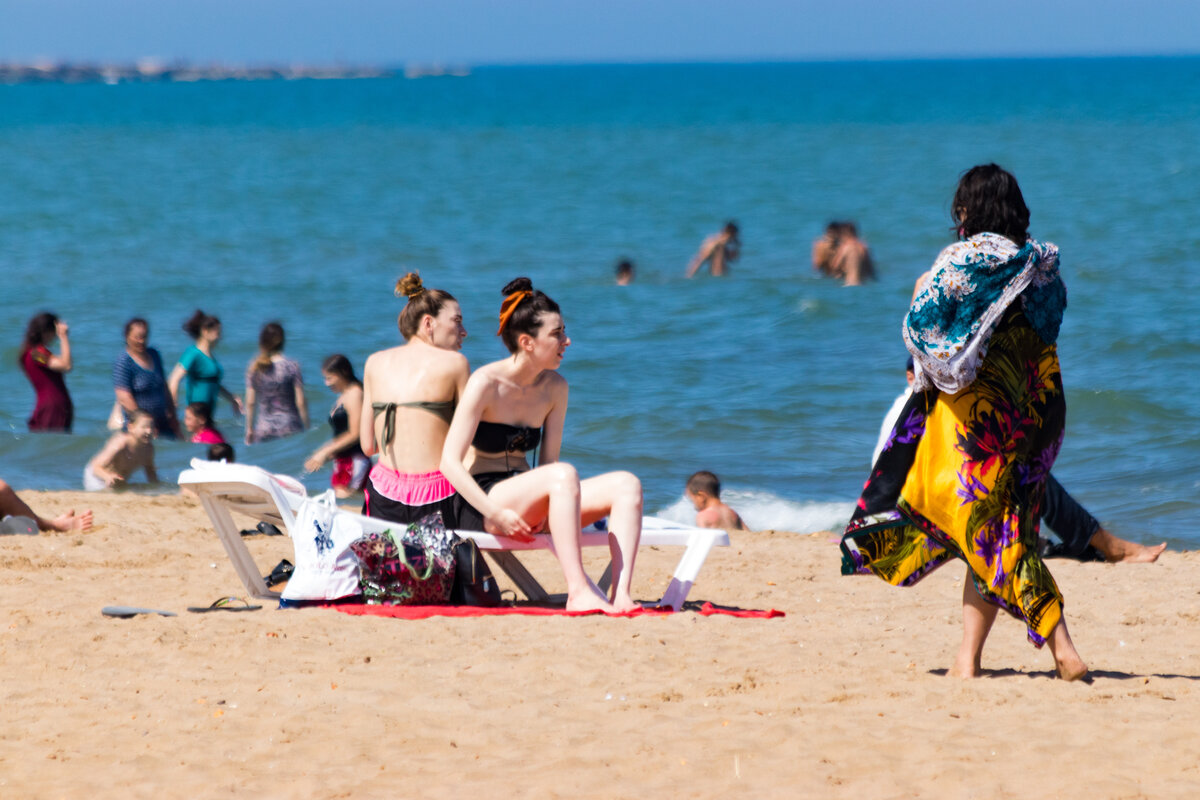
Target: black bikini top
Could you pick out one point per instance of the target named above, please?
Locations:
(496, 437)
(444, 409)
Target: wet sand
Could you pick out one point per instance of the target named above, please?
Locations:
(843, 697)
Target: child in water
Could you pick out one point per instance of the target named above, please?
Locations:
(704, 490)
(198, 421)
(126, 453)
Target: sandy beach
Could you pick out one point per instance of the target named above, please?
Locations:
(842, 697)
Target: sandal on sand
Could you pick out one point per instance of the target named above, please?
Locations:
(264, 528)
(283, 570)
(125, 612)
(225, 604)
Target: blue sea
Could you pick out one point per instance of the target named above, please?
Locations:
(303, 201)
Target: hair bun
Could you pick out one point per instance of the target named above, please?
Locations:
(517, 285)
(409, 286)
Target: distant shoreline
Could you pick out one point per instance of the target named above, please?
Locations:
(148, 71)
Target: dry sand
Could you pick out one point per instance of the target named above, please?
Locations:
(843, 697)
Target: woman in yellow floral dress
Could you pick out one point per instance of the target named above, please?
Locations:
(964, 472)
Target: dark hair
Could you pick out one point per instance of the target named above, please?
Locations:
(421, 301)
(337, 364)
(203, 412)
(705, 481)
(138, 413)
(222, 451)
(199, 322)
(625, 267)
(39, 327)
(988, 200)
(526, 317)
(136, 321)
(731, 227)
(270, 342)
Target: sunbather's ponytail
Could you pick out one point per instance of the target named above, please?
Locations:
(421, 301)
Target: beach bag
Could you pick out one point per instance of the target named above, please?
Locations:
(413, 568)
(474, 584)
(325, 567)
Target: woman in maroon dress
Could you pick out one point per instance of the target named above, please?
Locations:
(54, 410)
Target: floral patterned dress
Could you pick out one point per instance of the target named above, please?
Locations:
(963, 474)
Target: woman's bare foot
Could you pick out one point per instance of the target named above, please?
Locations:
(1071, 669)
(625, 604)
(1121, 551)
(588, 600)
(966, 665)
(70, 521)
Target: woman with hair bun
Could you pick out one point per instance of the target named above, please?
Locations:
(275, 402)
(511, 407)
(201, 368)
(409, 395)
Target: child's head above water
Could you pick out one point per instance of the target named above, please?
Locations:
(141, 425)
(702, 484)
(196, 417)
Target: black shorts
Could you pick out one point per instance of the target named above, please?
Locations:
(465, 515)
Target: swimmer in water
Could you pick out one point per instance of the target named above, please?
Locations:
(720, 250)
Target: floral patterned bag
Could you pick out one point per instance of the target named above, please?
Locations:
(415, 568)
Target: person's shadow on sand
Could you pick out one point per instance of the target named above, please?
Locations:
(1089, 678)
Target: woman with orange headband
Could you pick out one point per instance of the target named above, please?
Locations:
(509, 407)
(409, 394)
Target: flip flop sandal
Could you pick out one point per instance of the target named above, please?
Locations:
(283, 570)
(264, 528)
(225, 604)
(125, 612)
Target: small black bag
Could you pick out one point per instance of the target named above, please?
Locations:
(474, 584)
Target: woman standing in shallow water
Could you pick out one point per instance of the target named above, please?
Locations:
(964, 471)
(509, 407)
(53, 410)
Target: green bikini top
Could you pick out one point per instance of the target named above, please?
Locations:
(443, 409)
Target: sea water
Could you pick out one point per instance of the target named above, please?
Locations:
(303, 201)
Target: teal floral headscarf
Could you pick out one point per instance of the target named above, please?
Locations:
(970, 286)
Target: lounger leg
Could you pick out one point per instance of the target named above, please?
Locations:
(516, 571)
(699, 546)
(243, 562)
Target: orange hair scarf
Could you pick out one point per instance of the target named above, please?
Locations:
(509, 306)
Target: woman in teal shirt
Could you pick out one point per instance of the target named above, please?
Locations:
(202, 370)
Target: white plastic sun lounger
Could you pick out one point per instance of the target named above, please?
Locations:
(225, 489)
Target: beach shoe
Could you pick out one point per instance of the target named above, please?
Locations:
(225, 604)
(125, 612)
(265, 528)
(283, 570)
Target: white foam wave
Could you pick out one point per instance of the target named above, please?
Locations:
(765, 511)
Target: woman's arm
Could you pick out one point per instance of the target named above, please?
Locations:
(301, 400)
(352, 401)
(250, 409)
(454, 454)
(174, 381)
(233, 399)
(552, 428)
(366, 418)
(62, 362)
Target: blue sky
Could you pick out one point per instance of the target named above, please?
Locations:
(536, 31)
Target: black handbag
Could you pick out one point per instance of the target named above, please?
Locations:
(474, 584)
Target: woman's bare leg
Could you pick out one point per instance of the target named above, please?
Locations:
(1066, 659)
(617, 495)
(978, 616)
(551, 494)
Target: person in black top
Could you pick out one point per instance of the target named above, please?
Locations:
(350, 466)
(510, 408)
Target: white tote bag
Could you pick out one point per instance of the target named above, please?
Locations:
(326, 569)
